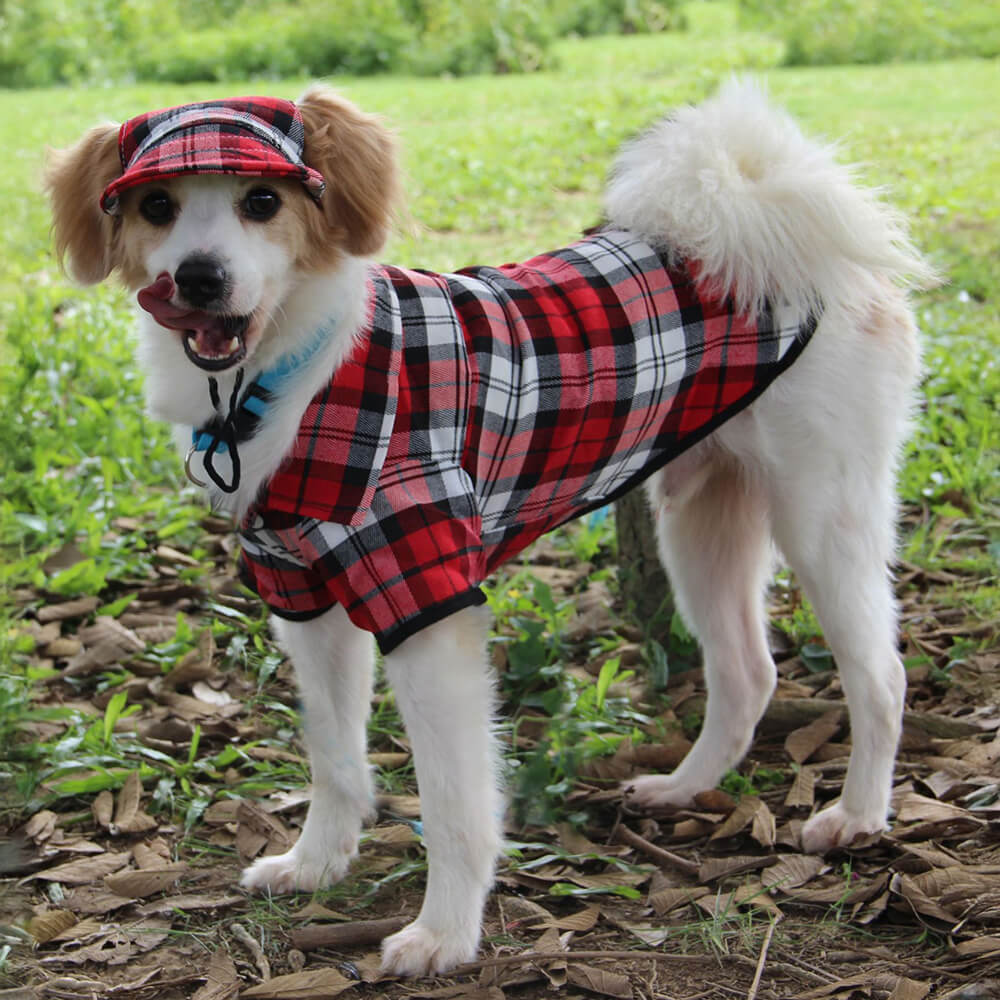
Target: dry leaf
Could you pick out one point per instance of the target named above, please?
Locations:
(129, 818)
(404, 806)
(909, 989)
(914, 808)
(258, 830)
(314, 984)
(222, 982)
(41, 826)
(666, 899)
(395, 835)
(741, 817)
(801, 744)
(581, 921)
(608, 984)
(188, 903)
(102, 808)
(802, 793)
(96, 899)
(763, 829)
(70, 609)
(716, 868)
(388, 761)
(87, 870)
(793, 870)
(650, 935)
(145, 881)
(49, 925)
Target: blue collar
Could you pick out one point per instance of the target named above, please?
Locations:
(222, 434)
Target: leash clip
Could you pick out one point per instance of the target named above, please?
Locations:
(187, 467)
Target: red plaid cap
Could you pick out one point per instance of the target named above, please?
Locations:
(249, 136)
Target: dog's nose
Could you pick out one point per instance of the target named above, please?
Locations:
(201, 280)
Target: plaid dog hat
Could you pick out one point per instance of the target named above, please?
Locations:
(249, 136)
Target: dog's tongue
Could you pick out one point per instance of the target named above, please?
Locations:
(211, 335)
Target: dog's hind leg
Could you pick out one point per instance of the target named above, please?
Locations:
(445, 691)
(840, 563)
(334, 663)
(716, 545)
(835, 426)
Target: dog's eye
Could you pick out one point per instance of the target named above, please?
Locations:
(157, 208)
(261, 204)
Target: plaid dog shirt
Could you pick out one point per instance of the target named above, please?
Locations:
(480, 410)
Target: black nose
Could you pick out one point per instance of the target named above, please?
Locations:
(202, 280)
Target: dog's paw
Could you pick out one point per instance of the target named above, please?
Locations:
(290, 873)
(418, 951)
(657, 791)
(836, 827)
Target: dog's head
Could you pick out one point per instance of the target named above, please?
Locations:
(215, 213)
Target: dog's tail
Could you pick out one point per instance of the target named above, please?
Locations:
(762, 212)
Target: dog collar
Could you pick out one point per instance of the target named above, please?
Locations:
(247, 136)
(244, 413)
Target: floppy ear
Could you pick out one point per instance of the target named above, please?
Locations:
(356, 155)
(74, 178)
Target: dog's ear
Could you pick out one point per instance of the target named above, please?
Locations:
(75, 178)
(356, 155)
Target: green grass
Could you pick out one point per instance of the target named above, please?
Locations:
(497, 168)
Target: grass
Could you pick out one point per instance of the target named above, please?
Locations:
(497, 168)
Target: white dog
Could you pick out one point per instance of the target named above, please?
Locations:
(387, 437)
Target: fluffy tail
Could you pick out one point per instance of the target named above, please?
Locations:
(767, 214)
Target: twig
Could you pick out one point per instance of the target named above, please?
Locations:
(658, 854)
(253, 946)
(755, 985)
(344, 936)
(524, 957)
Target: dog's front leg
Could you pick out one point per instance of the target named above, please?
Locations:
(334, 663)
(446, 694)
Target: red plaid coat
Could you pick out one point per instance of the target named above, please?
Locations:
(482, 409)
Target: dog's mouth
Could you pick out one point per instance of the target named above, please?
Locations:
(212, 341)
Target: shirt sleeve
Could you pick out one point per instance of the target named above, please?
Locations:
(416, 558)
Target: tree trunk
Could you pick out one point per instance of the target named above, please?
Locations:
(641, 579)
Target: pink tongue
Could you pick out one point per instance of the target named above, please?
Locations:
(155, 299)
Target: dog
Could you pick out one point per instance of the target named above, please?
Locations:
(736, 335)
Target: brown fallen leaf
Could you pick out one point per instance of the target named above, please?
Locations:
(909, 989)
(716, 868)
(44, 927)
(581, 921)
(802, 743)
(145, 881)
(102, 808)
(69, 609)
(802, 794)
(96, 899)
(600, 981)
(129, 817)
(85, 870)
(188, 903)
(222, 982)
(259, 831)
(313, 984)
(793, 870)
(41, 826)
(742, 816)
